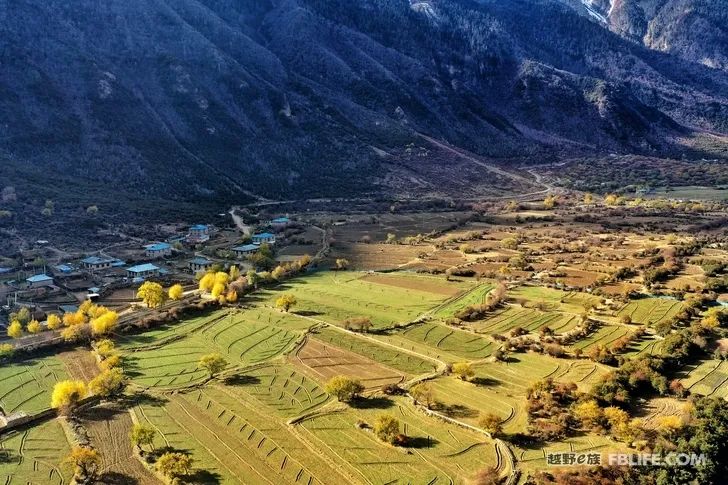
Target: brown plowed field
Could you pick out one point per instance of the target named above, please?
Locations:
(324, 361)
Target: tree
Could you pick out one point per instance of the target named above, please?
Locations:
(588, 198)
(231, 296)
(207, 282)
(15, 329)
(286, 301)
(142, 436)
(104, 348)
(217, 290)
(34, 327)
(589, 413)
(67, 394)
(491, 423)
(175, 292)
(344, 388)
(151, 293)
(549, 202)
(85, 462)
(386, 428)
(463, 370)
(253, 278)
(108, 383)
(54, 322)
(104, 324)
(234, 273)
(212, 363)
(75, 333)
(669, 425)
(23, 316)
(342, 264)
(174, 464)
(424, 394)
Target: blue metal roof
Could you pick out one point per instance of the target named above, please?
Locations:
(64, 268)
(281, 220)
(39, 278)
(157, 246)
(263, 235)
(198, 227)
(143, 268)
(246, 247)
(5, 270)
(200, 260)
(97, 260)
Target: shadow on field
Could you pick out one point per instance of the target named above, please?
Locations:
(374, 402)
(114, 478)
(241, 380)
(484, 381)
(421, 442)
(455, 410)
(203, 476)
(307, 313)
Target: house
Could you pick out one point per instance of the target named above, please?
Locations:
(63, 269)
(158, 250)
(245, 249)
(199, 264)
(68, 308)
(142, 271)
(39, 281)
(280, 222)
(95, 263)
(264, 237)
(198, 233)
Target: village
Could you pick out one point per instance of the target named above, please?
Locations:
(45, 283)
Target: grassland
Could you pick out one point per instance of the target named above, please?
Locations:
(171, 361)
(387, 301)
(26, 385)
(651, 311)
(32, 456)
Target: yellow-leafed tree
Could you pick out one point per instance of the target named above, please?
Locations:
(207, 282)
(34, 327)
(67, 394)
(15, 330)
(151, 293)
(176, 292)
(105, 323)
(54, 321)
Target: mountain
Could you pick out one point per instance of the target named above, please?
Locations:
(695, 30)
(229, 99)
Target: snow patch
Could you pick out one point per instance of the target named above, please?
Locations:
(423, 7)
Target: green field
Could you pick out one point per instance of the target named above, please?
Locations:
(391, 357)
(230, 438)
(444, 453)
(707, 378)
(527, 318)
(33, 456)
(605, 335)
(334, 298)
(460, 343)
(475, 296)
(27, 385)
(174, 364)
(650, 311)
(553, 299)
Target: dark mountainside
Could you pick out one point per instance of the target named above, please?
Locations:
(215, 99)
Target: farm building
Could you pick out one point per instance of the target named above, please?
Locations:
(245, 249)
(199, 264)
(39, 281)
(280, 222)
(142, 270)
(158, 250)
(198, 233)
(95, 263)
(63, 269)
(264, 237)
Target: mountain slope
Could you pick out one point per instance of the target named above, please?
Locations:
(306, 98)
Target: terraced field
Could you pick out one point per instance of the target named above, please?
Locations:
(465, 345)
(229, 438)
(475, 296)
(32, 456)
(650, 311)
(553, 299)
(174, 363)
(323, 361)
(444, 453)
(26, 385)
(708, 378)
(527, 318)
(334, 298)
(605, 335)
(391, 357)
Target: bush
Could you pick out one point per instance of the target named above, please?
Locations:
(386, 428)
